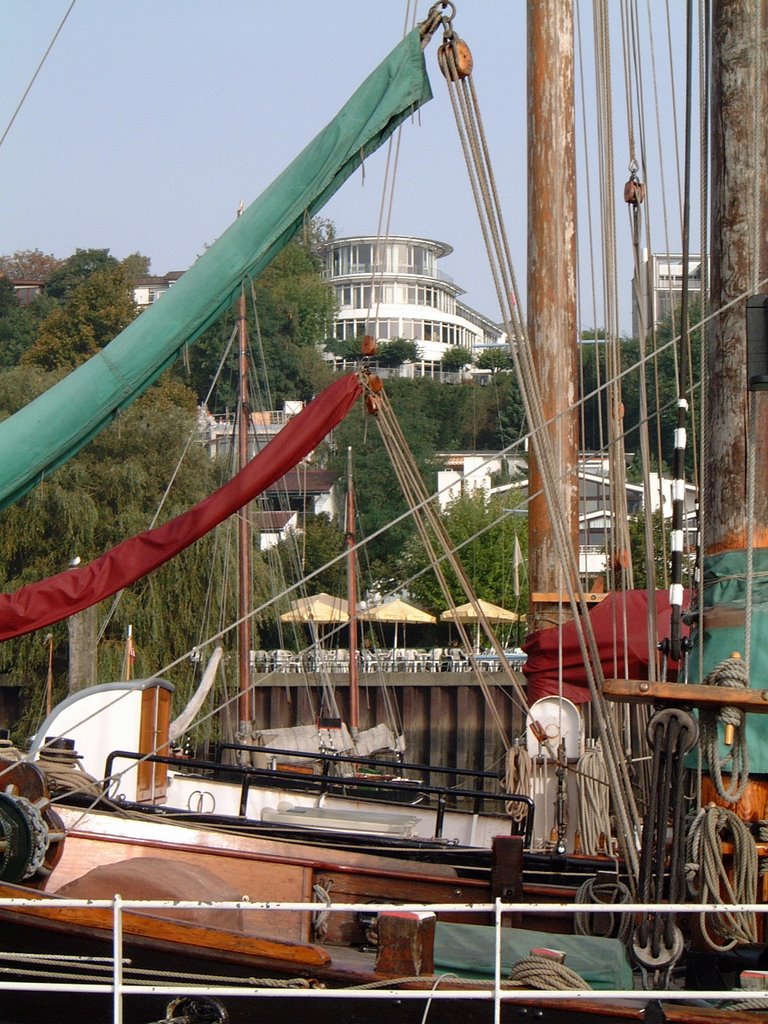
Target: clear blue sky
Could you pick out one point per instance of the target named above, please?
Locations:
(152, 119)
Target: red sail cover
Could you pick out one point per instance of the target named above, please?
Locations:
(39, 604)
(623, 614)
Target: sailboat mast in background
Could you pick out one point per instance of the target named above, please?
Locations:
(245, 703)
(354, 701)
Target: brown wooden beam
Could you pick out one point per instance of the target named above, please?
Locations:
(553, 597)
(640, 691)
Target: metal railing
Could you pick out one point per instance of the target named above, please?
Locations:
(118, 986)
(328, 781)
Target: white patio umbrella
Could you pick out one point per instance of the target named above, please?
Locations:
(317, 610)
(396, 611)
(493, 613)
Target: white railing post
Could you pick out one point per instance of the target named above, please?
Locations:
(497, 963)
(117, 961)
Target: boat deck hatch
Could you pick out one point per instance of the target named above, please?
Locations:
(332, 818)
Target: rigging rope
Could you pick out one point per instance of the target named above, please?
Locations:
(469, 124)
(431, 530)
(658, 942)
(38, 69)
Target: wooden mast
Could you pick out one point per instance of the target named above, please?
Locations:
(354, 695)
(552, 287)
(734, 524)
(244, 705)
(739, 215)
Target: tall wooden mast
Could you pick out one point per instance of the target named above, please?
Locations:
(245, 703)
(354, 696)
(739, 249)
(552, 285)
(734, 520)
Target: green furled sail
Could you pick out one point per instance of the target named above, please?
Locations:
(54, 427)
(724, 595)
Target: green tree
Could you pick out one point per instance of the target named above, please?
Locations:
(135, 267)
(19, 328)
(95, 312)
(661, 373)
(29, 265)
(455, 358)
(638, 549)
(288, 314)
(494, 359)
(483, 531)
(76, 269)
(319, 541)
(8, 299)
(110, 491)
(343, 348)
(397, 351)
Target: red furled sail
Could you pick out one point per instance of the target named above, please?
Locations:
(620, 627)
(40, 604)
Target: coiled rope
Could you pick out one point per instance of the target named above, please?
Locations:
(732, 672)
(537, 971)
(65, 774)
(709, 879)
(9, 752)
(322, 894)
(594, 801)
(615, 926)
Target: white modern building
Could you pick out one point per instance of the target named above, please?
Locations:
(392, 288)
(657, 287)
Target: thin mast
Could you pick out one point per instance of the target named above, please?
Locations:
(244, 704)
(354, 692)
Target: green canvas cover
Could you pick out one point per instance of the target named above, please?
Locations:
(725, 588)
(469, 950)
(48, 431)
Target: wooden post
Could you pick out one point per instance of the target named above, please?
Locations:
(406, 943)
(82, 629)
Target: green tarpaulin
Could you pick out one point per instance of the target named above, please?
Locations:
(57, 425)
(725, 591)
(469, 950)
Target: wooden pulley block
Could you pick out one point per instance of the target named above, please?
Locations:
(460, 63)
